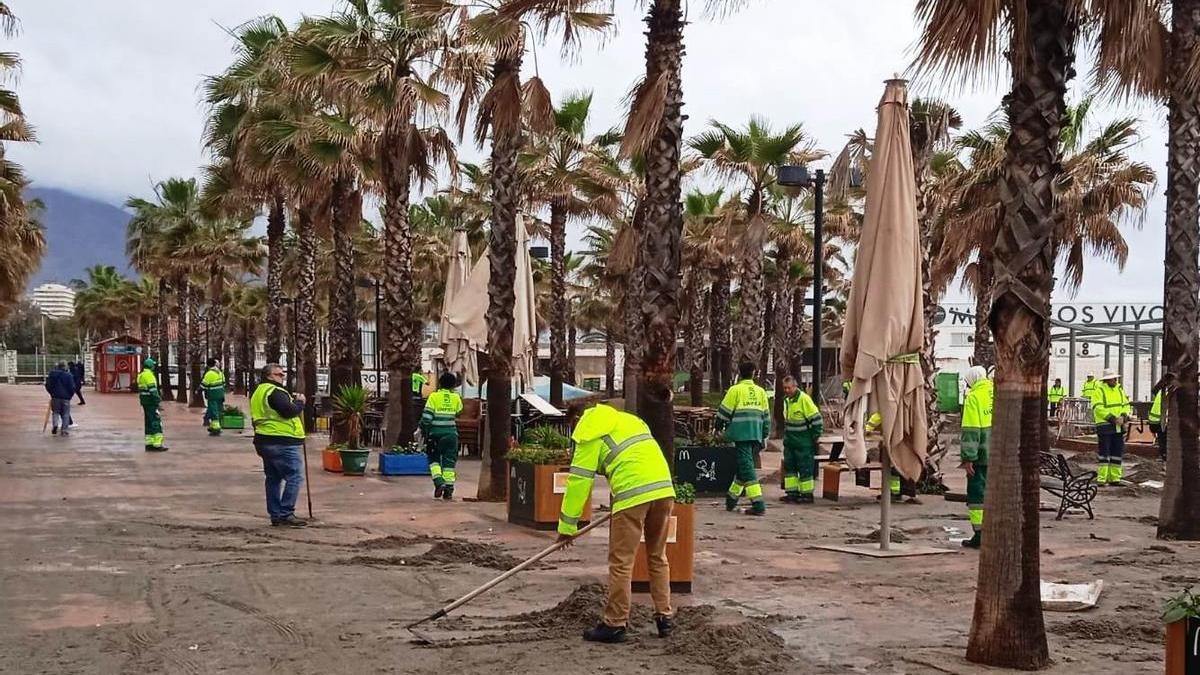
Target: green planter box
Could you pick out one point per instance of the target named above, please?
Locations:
(233, 422)
(354, 462)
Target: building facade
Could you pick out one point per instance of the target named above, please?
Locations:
(55, 300)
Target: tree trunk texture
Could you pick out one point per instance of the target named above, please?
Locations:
(506, 200)
(345, 363)
(164, 342)
(572, 338)
(401, 329)
(215, 326)
(631, 305)
(559, 311)
(779, 338)
(763, 358)
(1007, 629)
(241, 358)
(1179, 512)
(182, 339)
(985, 349)
(276, 225)
(306, 312)
(719, 328)
(663, 232)
(610, 364)
(797, 337)
(931, 244)
(695, 338)
(195, 347)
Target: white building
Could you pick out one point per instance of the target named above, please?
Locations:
(55, 300)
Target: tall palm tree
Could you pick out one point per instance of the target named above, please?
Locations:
(705, 251)
(101, 301)
(224, 254)
(567, 171)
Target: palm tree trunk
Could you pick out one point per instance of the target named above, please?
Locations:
(276, 225)
(195, 347)
(558, 300)
(749, 328)
(779, 337)
(985, 349)
(1007, 629)
(164, 343)
(403, 332)
(796, 336)
(632, 315)
(767, 330)
(240, 359)
(572, 339)
(695, 338)
(216, 315)
(344, 364)
(1179, 512)
(663, 231)
(182, 340)
(719, 329)
(306, 316)
(931, 243)
(506, 199)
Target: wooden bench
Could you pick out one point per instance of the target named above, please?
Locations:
(1072, 490)
(831, 478)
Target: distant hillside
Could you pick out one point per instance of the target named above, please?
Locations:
(80, 232)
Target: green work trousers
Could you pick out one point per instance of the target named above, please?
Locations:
(442, 452)
(976, 487)
(798, 467)
(746, 479)
(152, 423)
(212, 413)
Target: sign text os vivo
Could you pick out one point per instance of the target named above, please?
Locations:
(1084, 313)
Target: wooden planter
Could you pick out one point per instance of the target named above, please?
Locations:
(331, 460)
(1183, 647)
(681, 553)
(710, 468)
(535, 495)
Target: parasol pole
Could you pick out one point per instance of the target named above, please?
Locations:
(885, 499)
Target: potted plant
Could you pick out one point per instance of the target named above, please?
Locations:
(537, 479)
(1182, 616)
(349, 406)
(708, 462)
(232, 417)
(681, 545)
(404, 460)
(331, 459)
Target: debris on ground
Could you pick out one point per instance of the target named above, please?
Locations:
(898, 536)
(1146, 470)
(391, 541)
(1146, 628)
(443, 551)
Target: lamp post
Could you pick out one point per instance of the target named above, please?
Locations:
(798, 176)
(292, 349)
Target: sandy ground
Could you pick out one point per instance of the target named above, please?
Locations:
(117, 561)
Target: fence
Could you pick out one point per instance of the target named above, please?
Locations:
(34, 367)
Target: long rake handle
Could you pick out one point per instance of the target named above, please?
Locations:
(510, 573)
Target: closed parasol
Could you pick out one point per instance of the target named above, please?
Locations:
(459, 356)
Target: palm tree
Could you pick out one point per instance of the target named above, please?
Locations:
(247, 309)
(223, 252)
(568, 172)
(752, 155)
(101, 301)
(705, 254)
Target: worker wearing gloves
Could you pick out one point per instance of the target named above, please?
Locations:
(1055, 395)
(744, 419)
(619, 446)
(439, 426)
(802, 427)
(150, 398)
(1110, 411)
(976, 440)
(213, 384)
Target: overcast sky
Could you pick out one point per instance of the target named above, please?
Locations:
(113, 89)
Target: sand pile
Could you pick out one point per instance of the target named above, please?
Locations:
(1146, 470)
(899, 536)
(391, 541)
(1146, 628)
(443, 552)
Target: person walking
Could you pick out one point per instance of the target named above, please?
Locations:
(744, 419)
(618, 445)
(1110, 412)
(1055, 395)
(975, 442)
(278, 420)
(76, 370)
(802, 427)
(213, 384)
(150, 399)
(61, 388)
(439, 426)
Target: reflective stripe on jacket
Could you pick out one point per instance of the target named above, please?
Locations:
(977, 422)
(802, 421)
(213, 381)
(744, 412)
(619, 446)
(147, 384)
(1156, 409)
(1109, 401)
(1056, 394)
(267, 421)
(441, 411)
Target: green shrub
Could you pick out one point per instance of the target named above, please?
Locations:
(232, 411)
(685, 493)
(349, 406)
(539, 455)
(545, 437)
(1186, 605)
(706, 440)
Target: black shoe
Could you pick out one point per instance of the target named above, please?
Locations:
(291, 521)
(790, 499)
(665, 625)
(605, 633)
(448, 493)
(805, 499)
(54, 431)
(438, 491)
(730, 503)
(754, 512)
(65, 433)
(83, 403)
(974, 542)
(156, 448)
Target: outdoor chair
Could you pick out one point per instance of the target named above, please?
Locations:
(373, 429)
(1073, 491)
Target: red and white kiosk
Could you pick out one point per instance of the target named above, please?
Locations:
(117, 362)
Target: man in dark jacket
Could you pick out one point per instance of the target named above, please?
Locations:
(61, 388)
(76, 370)
(278, 419)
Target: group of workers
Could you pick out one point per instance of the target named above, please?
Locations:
(1111, 414)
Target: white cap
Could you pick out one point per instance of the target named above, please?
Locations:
(973, 375)
(1108, 374)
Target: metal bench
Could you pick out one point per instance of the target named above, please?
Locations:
(1072, 490)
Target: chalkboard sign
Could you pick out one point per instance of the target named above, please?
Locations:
(710, 469)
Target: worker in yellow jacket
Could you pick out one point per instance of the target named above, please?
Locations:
(619, 446)
(975, 443)
(1111, 411)
(744, 418)
(1055, 394)
(802, 428)
(439, 426)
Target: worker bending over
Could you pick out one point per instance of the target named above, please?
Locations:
(975, 442)
(619, 446)
(439, 425)
(1110, 411)
(802, 428)
(744, 419)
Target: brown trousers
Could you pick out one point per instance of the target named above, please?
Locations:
(624, 535)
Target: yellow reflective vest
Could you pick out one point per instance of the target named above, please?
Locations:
(977, 422)
(1109, 401)
(802, 421)
(268, 422)
(147, 384)
(1156, 409)
(441, 413)
(1056, 394)
(619, 446)
(744, 413)
(213, 382)
(1089, 388)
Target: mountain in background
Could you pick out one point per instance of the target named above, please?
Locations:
(80, 232)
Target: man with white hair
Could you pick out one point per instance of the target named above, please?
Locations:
(975, 443)
(1110, 412)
